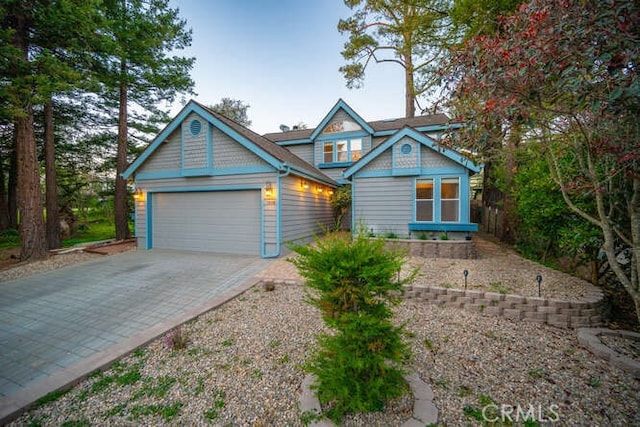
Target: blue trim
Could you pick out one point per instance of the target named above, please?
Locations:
(149, 232)
(406, 172)
(294, 142)
(442, 226)
(209, 145)
(341, 135)
(182, 145)
(192, 107)
(204, 189)
(417, 136)
(245, 170)
(340, 104)
(334, 165)
(423, 172)
(195, 172)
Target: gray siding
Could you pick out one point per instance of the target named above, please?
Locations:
(228, 153)
(166, 157)
(433, 159)
(380, 163)
(378, 140)
(303, 211)
(409, 160)
(384, 205)
(194, 147)
(141, 222)
(334, 173)
(304, 151)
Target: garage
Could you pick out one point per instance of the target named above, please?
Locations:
(211, 221)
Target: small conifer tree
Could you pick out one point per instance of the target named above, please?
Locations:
(353, 281)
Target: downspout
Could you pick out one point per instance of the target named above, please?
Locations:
(284, 171)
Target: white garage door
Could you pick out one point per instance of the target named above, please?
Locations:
(222, 221)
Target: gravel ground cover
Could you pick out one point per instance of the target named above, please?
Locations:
(243, 362)
(243, 365)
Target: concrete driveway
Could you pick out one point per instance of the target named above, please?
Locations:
(63, 324)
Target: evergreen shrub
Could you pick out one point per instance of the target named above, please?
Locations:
(354, 282)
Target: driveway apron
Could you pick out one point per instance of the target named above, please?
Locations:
(53, 320)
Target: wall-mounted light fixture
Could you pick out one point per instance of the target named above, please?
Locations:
(304, 184)
(268, 190)
(139, 195)
(319, 189)
(330, 192)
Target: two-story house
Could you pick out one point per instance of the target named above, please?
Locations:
(207, 183)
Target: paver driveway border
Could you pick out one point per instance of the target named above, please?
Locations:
(182, 280)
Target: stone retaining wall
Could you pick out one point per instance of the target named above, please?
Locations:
(585, 312)
(459, 249)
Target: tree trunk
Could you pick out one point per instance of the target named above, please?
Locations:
(12, 184)
(31, 227)
(53, 221)
(4, 207)
(409, 90)
(120, 198)
(510, 217)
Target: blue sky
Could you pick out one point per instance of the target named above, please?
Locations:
(282, 58)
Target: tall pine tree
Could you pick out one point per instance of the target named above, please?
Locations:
(138, 72)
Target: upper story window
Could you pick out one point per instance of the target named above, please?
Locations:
(342, 151)
(341, 126)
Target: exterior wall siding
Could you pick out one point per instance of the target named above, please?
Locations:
(381, 163)
(228, 153)
(433, 159)
(194, 147)
(303, 212)
(304, 151)
(166, 157)
(383, 205)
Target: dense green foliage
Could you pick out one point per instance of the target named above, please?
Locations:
(105, 73)
(351, 281)
(566, 74)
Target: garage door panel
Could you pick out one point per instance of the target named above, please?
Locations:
(208, 221)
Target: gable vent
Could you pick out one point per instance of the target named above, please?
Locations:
(195, 127)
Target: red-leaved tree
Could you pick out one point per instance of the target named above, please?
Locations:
(567, 71)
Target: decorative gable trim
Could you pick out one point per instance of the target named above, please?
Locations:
(418, 137)
(341, 105)
(176, 124)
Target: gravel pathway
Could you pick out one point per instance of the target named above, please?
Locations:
(243, 366)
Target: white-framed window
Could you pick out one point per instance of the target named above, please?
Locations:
(450, 199)
(327, 152)
(424, 200)
(342, 150)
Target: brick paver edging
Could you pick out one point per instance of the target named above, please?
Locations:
(424, 410)
(588, 337)
(579, 313)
